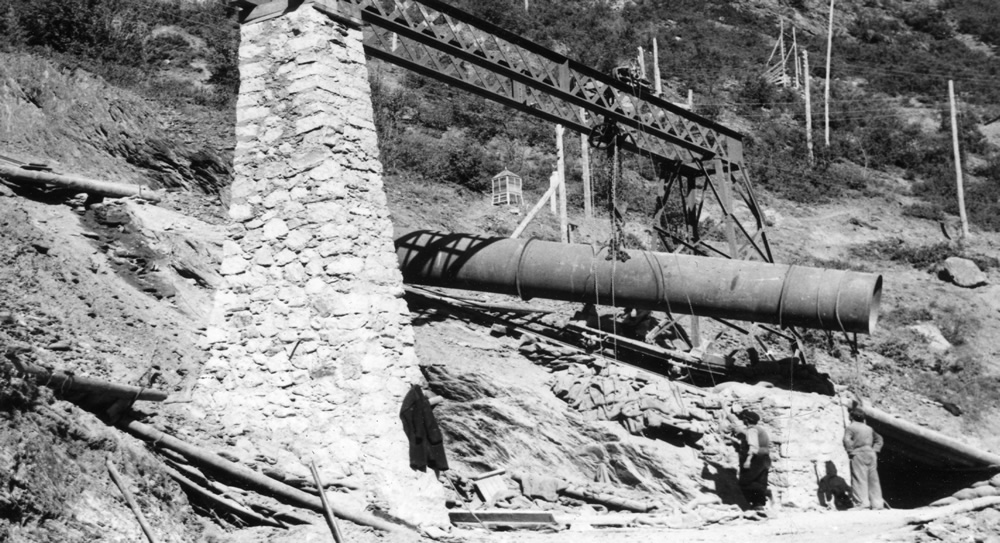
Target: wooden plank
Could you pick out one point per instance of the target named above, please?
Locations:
(506, 517)
(491, 488)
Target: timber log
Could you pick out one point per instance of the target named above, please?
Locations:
(744, 290)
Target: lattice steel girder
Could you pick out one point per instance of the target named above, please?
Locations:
(446, 43)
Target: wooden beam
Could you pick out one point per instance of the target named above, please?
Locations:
(503, 518)
(534, 211)
(42, 179)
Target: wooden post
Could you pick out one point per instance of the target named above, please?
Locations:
(588, 198)
(690, 99)
(657, 84)
(724, 185)
(131, 502)
(561, 169)
(781, 43)
(809, 115)
(554, 187)
(642, 63)
(795, 58)
(958, 161)
(826, 100)
(331, 521)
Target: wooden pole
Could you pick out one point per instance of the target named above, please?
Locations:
(826, 100)
(781, 42)
(795, 58)
(588, 198)
(251, 479)
(724, 186)
(958, 161)
(642, 63)
(690, 99)
(534, 211)
(561, 170)
(331, 520)
(131, 502)
(76, 182)
(964, 506)
(809, 116)
(657, 84)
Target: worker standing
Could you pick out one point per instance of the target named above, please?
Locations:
(755, 459)
(863, 445)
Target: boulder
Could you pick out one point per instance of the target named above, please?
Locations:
(963, 272)
(936, 341)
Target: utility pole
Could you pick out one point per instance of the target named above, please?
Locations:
(561, 191)
(657, 84)
(809, 114)
(826, 105)
(958, 161)
(781, 44)
(588, 199)
(795, 57)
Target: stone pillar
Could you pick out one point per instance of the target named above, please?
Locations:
(310, 344)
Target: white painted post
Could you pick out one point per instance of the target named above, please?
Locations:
(809, 115)
(561, 169)
(690, 99)
(958, 161)
(642, 63)
(795, 58)
(781, 42)
(826, 104)
(657, 84)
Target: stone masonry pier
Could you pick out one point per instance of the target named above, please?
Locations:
(310, 348)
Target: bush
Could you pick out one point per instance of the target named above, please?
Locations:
(897, 250)
(110, 38)
(931, 212)
(929, 21)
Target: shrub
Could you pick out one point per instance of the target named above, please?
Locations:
(931, 212)
(897, 250)
(930, 21)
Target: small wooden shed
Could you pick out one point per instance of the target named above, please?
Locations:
(507, 188)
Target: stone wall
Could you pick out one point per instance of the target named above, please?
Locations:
(807, 431)
(310, 344)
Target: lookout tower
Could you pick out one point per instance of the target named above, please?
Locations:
(507, 188)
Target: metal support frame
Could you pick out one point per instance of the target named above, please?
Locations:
(700, 160)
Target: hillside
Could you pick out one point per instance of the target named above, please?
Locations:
(122, 290)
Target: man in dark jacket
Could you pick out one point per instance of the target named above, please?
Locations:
(755, 460)
(863, 445)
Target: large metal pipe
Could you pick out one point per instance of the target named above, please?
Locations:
(709, 287)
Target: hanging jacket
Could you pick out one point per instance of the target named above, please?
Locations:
(422, 431)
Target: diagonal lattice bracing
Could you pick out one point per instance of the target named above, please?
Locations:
(537, 80)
